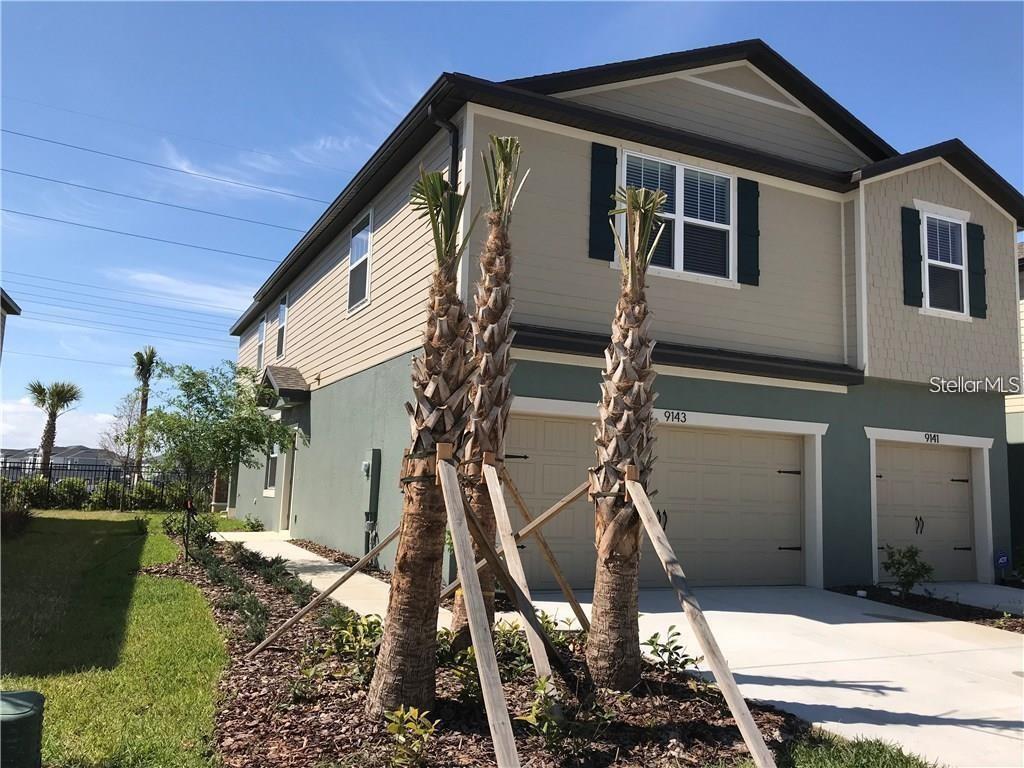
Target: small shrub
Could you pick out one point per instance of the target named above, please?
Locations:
(445, 655)
(906, 567)
(146, 495)
(34, 491)
(141, 525)
(70, 493)
(14, 517)
(199, 529)
(468, 677)
(300, 591)
(303, 687)
(558, 637)
(274, 572)
(252, 524)
(669, 653)
(544, 717)
(105, 496)
(356, 640)
(410, 730)
(512, 649)
(6, 488)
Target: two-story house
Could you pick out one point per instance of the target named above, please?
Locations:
(812, 282)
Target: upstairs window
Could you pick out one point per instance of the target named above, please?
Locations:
(282, 321)
(698, 232)
(260, 341)
(359, 262)
(945, 273)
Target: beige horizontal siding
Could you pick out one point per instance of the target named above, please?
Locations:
(796, 311)
(711, 112)
(904, 344)
(323, 340)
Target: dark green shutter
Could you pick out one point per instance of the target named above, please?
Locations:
(603, 161)
(748, 269)
(912, 295)
(976, 269)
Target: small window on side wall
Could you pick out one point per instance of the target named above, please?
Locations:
(261, 339)
(270, 478)
(359, 262)
(282, 321)
(945, 272)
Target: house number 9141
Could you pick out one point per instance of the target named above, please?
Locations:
(931, 437)
(674, 417)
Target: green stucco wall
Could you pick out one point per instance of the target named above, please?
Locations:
(248, 498)
(345, 420)
(846, 490)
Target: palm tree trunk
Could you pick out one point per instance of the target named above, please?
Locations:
(46, 445)
(624, 436)
(490, 398)
(404, 671)
(141, 441)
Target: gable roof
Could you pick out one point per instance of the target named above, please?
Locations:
(9, 305)
(531, 97)
(755, 51)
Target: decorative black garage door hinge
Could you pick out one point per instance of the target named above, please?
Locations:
(792, 549)
(959, 480)
(962, 549)
(789, 471)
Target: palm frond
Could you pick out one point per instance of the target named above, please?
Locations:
(56, 398)
(145, 363)
(501, 168)
(434, 199)
(640, 207)
(37, 390)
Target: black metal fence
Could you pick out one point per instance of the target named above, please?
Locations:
(92, 486)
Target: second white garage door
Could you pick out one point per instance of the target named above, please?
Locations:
(732, 502)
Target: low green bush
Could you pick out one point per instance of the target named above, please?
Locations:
(200, 527)
(105, 496)
(70, 493)
(34, 490)
(906, 567)
(355, 640)
(669, 652)
(14, 517)
(252, 524)
(145, 496)
(410, 730)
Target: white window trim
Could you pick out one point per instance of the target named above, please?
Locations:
(368, 258)
(275, 451)
(928, 212)
(261, 343)
(284, 341)
(679, 219)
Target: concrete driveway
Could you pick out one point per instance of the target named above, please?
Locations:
(949, 691)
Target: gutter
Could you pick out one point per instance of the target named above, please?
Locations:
(453, 133)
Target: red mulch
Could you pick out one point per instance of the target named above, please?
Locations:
(947, 609)
(671, 719)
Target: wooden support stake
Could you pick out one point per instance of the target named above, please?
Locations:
(528, 530)
(515, 568)
(359, 565)
(476, 615)
(545, 550)
(525, 608)
(695, 616)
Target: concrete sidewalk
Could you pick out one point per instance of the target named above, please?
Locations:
(998, 598)
(363, 594)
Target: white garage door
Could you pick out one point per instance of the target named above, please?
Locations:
(731, 500)
(924, 499)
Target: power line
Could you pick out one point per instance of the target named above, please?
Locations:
(61, 291)
(135, 326)
(110, 327)
(140, 237)
(150, 200)
(69, 359)
(164, 132)
(220, 179)
(100, 309)
(121, 290)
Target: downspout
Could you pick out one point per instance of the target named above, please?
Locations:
(453, 133)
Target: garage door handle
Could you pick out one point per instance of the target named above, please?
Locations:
(962, 549)
(788, 471)
(959, 480)
(792, 549)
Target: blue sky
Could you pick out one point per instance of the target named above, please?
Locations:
(314, 88)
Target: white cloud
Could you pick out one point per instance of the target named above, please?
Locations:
(221, 297)
(329, 149)
(177, 159)
(21, 425)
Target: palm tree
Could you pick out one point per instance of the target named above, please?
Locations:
(53, 400)
(441, 377)
(145, 365)
(490, 397)
(624, 436)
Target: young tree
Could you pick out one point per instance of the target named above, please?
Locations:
(490, 397)
(121, 435)
(441, 377)
(624, 436)
(210, 420)
(145, 366)
(53, 400)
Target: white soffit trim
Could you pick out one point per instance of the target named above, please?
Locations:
(800, 110)
(927, 438)
(632, 146)
(540, 406)
(942, 210)
(563, 358)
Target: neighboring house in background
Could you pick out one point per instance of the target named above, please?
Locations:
(7, 307)
(84, 462)
(1015, 431)
(811, 282)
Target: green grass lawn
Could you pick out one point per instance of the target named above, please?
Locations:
(128, 662)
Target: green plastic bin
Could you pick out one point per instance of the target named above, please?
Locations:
(21, 729)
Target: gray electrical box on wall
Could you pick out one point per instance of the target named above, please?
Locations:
(371, 475)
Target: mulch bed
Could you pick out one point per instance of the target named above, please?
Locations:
(337, 556)
(938, 607)
(670, 719)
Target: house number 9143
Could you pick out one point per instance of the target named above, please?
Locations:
(674, 417)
